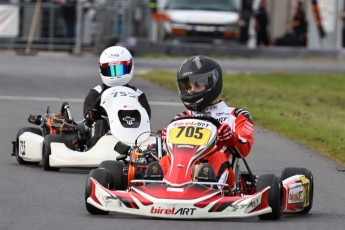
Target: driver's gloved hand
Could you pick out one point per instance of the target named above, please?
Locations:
(164, 134)
(226, 136)
(93, 115)
(183, 114)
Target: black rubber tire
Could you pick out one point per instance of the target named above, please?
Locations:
(291, 171)
(19, 159)
(66, 139)
(275, 196)
(47, 151)
(103, 177)
(116, 170)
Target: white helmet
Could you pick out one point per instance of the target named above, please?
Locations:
(116, 66)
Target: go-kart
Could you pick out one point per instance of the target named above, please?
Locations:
(61, 142)
(189, 189)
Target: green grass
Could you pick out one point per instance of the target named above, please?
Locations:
(306, 108)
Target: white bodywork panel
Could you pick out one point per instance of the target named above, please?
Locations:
(113, 100)
(61, 156)
(30, 147)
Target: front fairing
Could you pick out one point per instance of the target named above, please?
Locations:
(127, 118)
(187, 141)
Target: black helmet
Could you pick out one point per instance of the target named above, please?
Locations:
(199, 70)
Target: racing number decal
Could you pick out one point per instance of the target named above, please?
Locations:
(190, 132)
(21, 148)
(123, 94)
(189, 135)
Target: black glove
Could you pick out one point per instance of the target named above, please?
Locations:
(92, 116)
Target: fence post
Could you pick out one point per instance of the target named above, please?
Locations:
(79, 23)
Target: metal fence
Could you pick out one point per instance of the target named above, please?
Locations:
(39, 25)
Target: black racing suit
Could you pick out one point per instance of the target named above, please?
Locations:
(100, 127)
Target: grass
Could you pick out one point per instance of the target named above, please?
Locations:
(306, 108)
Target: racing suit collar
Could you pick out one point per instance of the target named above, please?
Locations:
(218, 105)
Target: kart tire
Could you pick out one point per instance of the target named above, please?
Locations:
(116, 170)
(275, 196)
(291, 171)
(105, 179)
(34, 130)
(48, 139)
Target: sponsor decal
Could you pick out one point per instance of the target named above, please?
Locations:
(202, 124)
(185, 146)
(175, 189)
(173, 211)
(184, 123)
(250, 207)
(248, 127)
(139, 92)
(113, 55)
(222, 119)
(129, 120)
(296, 194)
(187, 73)
(112, 201)
(98, 88)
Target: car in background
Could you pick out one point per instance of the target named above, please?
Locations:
(199, 20)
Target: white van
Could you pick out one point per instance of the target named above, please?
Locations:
(199, 20)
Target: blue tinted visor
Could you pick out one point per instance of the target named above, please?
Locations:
(116, 69)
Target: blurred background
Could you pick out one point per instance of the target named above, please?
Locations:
(79, 26)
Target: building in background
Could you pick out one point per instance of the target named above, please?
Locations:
(104, 22)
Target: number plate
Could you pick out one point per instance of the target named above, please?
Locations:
(189, 135)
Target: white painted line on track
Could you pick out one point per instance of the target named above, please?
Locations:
(16, 98)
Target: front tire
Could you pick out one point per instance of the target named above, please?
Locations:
(275, 196)
(103, 177)
(19, 159)
(116, 170)
(48, 139)
(291, 171)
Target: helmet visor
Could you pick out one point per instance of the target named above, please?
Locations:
(116, 69)
(193, 84)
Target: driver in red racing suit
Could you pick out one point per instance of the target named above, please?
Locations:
(200, 83)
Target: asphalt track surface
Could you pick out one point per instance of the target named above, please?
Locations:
(31, 198)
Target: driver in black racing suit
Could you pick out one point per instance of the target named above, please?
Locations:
(116, 69)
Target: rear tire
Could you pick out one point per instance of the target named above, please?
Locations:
(275, 196)
(19, 159)
(291, 171)
(105, 179)
(116, 170)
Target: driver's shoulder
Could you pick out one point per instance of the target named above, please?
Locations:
(100, 88)
(239, 111)
(136, 89)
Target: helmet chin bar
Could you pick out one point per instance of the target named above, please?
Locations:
(193, 106)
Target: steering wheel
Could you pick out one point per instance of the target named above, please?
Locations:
(204, 117)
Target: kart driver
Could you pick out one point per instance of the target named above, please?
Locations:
(116, 68)
(199, 81)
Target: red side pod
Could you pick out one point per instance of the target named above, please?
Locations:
(93, 191)
(264, 201)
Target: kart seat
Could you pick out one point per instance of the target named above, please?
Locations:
(154, 171)
(81, 130)
(206, 173)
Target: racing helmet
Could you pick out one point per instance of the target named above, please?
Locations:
(116, 66)
(200, 71)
